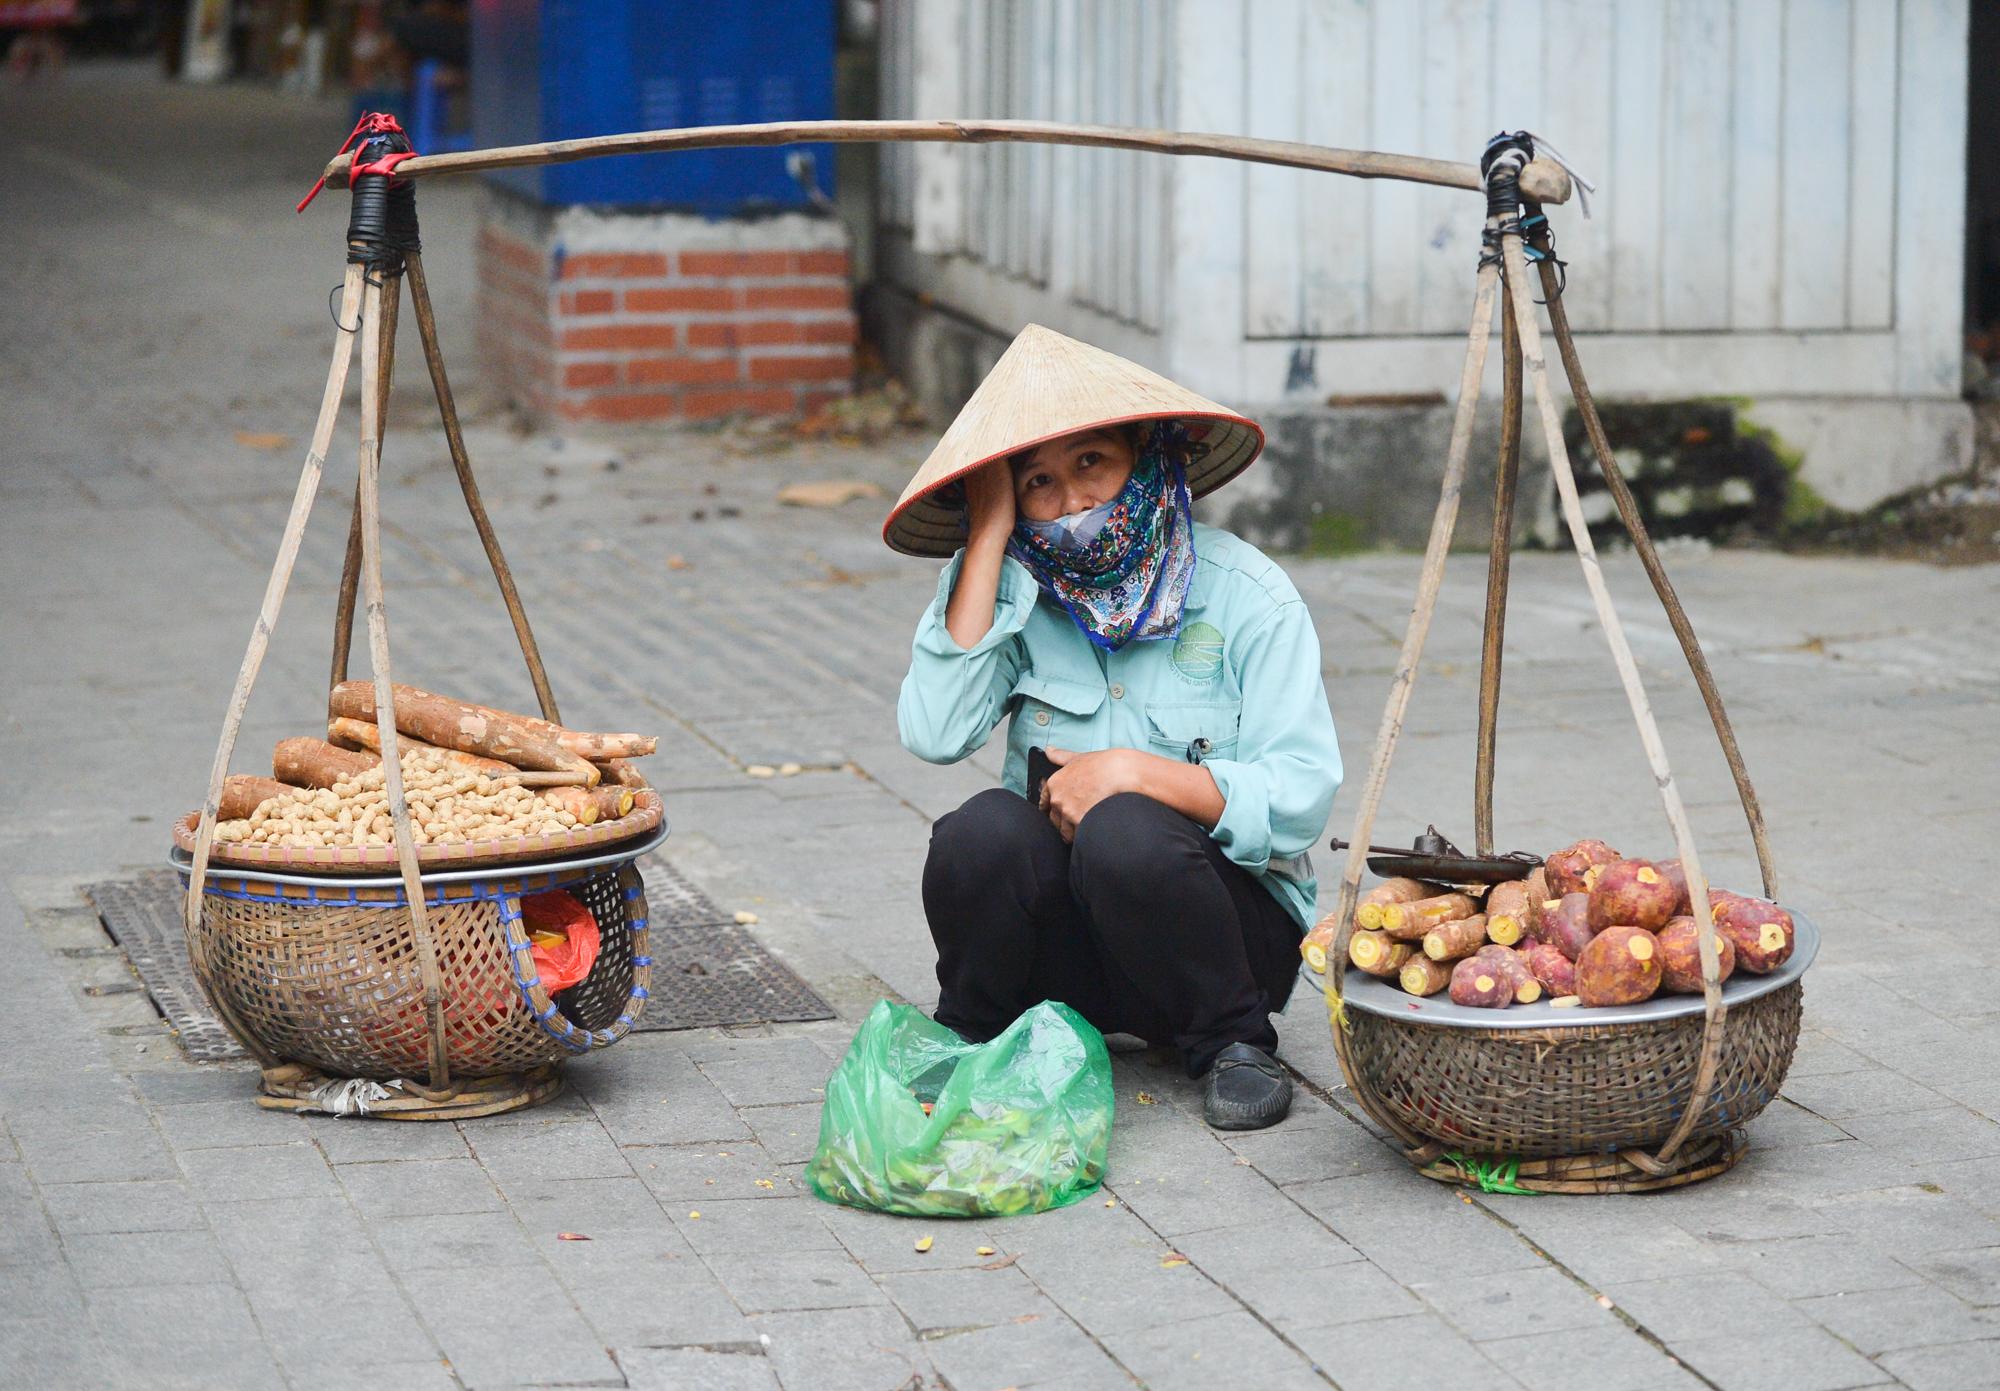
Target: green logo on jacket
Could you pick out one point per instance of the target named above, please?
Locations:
(1198, 652)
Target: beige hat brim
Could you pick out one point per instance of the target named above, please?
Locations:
(1045, 386)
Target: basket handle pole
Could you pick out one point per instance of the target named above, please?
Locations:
(1649, 556)
(368, 494)
(1714, 1010)
(350, 568)
(1498, 565)
(420, 301)
(260, 641)
(1442, 524)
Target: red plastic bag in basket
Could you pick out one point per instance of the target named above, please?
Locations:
(564, 938)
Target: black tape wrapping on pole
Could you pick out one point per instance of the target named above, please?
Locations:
(1507, 154)
(382, 222)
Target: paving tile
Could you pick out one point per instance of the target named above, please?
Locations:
(180, 1086)
(1950, 1367)
(1409, 1225)
(1416, 1351)
(122, 1207)
(413, 1242)
(883, 1242)
(1036, 1350)
(1928, 1137)
(1178, 1203)
(772, 1281)
(1121, 1284)
(526, 1157)
(656, 1096)
(325, 1324)
(1913, 1316)
(228, 1124)
(746, 1225)
(1817, 1265)
(1974, 1276)
(844, 1349)
(789, 1133)
(258, 1173)
(709, 1171)
(1223, 1351)
(174, 1317)
(645, 1308)
(1610, 1357)
(1685, 1308)
(106, 1260)
(1867, 1092)
(1911, 1220)
(1522, 1301)
(964, 1298)
(510, 1325)
(418, 1188)
(698, 1369)
(1779, 1359)
(781, 1071)
(98, 1156)
(1292, 1153)
(357, 1140)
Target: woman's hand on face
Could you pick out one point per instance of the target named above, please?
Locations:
(989, 500)
(1082, 780)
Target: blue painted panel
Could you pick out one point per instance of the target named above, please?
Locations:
(557, 69)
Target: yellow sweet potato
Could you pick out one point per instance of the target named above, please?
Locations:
(1423, 976)
(1507, 912)
(1377, 954)
(1368, 912)
(1459, 937)
(1319, 942)
(1620, 966)
(1680, 956)
(1409, 921)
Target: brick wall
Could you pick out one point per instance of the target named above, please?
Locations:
(575, 327)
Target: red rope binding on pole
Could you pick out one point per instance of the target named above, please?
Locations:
(373, 123)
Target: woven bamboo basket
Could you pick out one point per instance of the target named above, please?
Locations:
(1649, 1100)
(329, 977)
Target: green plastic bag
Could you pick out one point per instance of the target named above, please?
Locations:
(1020, 1124)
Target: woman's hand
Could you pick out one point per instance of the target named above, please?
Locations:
(1082, 780)
(989, 502)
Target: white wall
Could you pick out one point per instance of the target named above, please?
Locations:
(1781, 206)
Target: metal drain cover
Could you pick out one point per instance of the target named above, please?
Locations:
(143, 915)
(707, 971)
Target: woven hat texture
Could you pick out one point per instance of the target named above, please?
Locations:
(1044, 386)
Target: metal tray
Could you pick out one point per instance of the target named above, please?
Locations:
(618, 853)
(1377, 996)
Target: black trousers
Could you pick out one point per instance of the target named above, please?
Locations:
(1142, 925)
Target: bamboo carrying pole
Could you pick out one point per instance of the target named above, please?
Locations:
(260, 641)
(1544, 181)
(1431, 577)
(350, 569)
(1498, 563)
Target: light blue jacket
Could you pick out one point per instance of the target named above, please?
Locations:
(1243, 674)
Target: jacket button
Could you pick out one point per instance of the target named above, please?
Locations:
(1041, 717)
(1118, 693)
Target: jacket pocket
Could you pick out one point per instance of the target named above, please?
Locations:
(1078, 698)
(1172, 726)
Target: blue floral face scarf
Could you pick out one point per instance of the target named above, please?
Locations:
(1122, 570)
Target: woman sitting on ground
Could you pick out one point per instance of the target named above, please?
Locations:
(1157, 879)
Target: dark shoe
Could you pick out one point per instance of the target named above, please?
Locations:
(1246, 1090)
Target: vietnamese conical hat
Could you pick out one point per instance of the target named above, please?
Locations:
(1045, 386)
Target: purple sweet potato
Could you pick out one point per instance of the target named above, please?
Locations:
(1556, 972)
(1759, 929)
(1564, 923)
(1481, 983)
(1635, 892)
(1680, 956)
(1527, 989)
(1676, 874)
(1567, 868)
(1621, 966)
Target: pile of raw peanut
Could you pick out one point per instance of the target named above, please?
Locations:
(447, 804)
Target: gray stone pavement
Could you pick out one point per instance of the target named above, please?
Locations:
(158, 1230)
